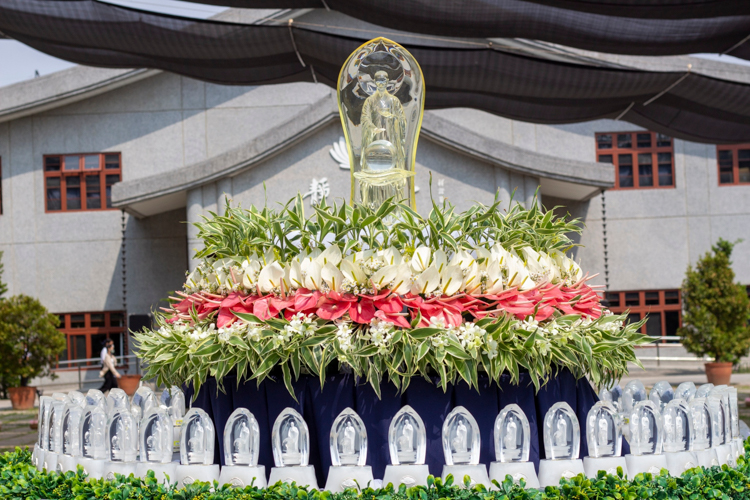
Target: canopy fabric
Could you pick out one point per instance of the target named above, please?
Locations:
(481, 76)
(637, 27)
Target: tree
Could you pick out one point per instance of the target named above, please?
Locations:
(716, 310)
(3, 286)
(29, 341)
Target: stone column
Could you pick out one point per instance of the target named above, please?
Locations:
(194, 212)
(502, 183)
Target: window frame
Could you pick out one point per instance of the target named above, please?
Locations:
(643, 309)
(89, 331)
(82, 173)
(734, 148)
(635, 151)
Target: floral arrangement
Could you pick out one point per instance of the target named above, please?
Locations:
(451, 294)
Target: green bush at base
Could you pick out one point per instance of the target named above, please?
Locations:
(20, 480)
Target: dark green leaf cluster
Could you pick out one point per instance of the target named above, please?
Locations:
(287, 232)
(19, 480)
(716, 308)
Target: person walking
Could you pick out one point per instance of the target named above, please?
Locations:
(109, 372)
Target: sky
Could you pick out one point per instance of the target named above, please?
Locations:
(19, 62)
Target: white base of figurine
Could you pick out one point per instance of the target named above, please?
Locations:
(410, 475)
(516, 470)
(188, 474)
(37, 458)
(551, 471)
(724, 454)
(592, 465)
(740, 447)
(240, 476)
(680, 461)
(348, 476)
(652, 464)
(707, 458)
(112, 468)
(50, 461)
(303, 476)
(477, 474)
(161, 471)
(66, 463)
(94, 469)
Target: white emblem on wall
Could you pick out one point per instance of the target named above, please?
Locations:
(341, 156)
(319, 190)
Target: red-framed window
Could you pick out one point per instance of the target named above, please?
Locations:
(663, 308)
(642, 160)
(80, 182)
(733, 162)
(86, 333)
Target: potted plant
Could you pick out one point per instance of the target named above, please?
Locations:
(715, 313)
(29, 343)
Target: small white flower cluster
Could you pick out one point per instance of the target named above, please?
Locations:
(379, 334)
(425, 271)
(236, 329)
(344, 334)
(300, 324)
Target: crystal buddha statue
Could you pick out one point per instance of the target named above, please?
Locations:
(347, 440)
(406, 440)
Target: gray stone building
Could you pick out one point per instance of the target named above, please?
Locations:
(104, 170)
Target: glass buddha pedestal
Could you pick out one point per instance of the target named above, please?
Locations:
(604, 439)
(196, 449)
(645, 438)
(70, 429)
(407, 443)
(348, 446)
(93, 432)
(461, 445)
(122, 443)
(241, 442)
(40, 446)
(52, 431)
(718, 406)
(702, 448)
(155, 442)
(291, 450)
(679, 434)
(512, 444)
(562, 442)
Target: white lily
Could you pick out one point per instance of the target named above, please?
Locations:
(332, 276)
(427, 282)
(270, 277)
(451, 279)
(421, 258)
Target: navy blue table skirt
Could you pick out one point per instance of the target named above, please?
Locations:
(319, 407)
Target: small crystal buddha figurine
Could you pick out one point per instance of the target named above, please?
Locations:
(37, 456)
(290, 441)
(604, 439)
(117, 399)
(679, 437)
(95, 397)
(241, 447)
(53, 430)
(645, 439)
(702, 427)
(173, 399)
(381, 100)
(155, 444)
(612, 396)
(121, 440)
(197, 449)
(562, 442)
(661, 394)
(348, 446)
(685, 391)
(512, 436)
(69, 430)
(721, 424)
(703, 390)
(734, 418)
(407, 444)
(143, 400)
(461, 447)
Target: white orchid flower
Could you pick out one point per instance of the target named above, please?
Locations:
(451, 279)
(421, 258)
(331, 255)
(427, 282)
(270, 277)
(332, 276)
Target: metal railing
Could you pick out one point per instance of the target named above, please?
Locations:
(672, 341)
(95, 363)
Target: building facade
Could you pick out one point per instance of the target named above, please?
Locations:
(103, 172)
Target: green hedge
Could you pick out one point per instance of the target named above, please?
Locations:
(20, 480)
